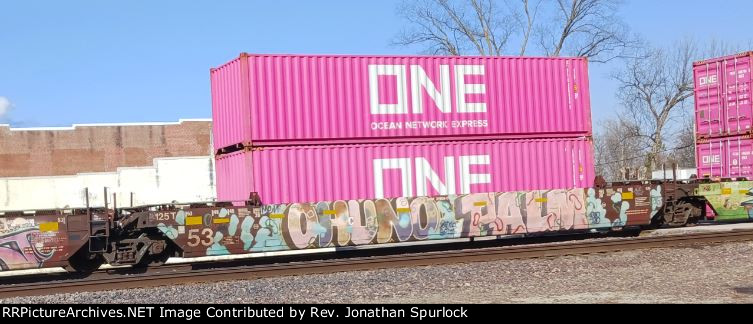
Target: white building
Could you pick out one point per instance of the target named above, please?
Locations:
(181, 179)
(681, 174)
(49, 167)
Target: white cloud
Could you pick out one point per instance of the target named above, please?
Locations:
(4, 106)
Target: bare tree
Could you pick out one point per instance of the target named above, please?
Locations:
(530, 17)
(588, 28)
(683, 151)
(455, 28)
(653, 89)
(717, 48)
(617, 151)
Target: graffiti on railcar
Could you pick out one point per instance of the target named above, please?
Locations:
(22, 244)
(261, 231)
(225, 227)
(332, 224)
(211, 229)
(747, 203)
(656, 200)
(172, 232)
(522, 212)
(731, 201)
(620, 206)
(375, 221)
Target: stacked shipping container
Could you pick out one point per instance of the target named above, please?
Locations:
(307, 128)
(334, 172)
(724, 116)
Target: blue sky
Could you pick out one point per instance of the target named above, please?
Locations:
(65, 62)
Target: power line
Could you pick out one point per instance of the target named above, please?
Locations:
(645, 155)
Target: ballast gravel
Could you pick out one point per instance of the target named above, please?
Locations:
(699, 274)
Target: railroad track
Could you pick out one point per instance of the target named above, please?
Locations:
(182, 275)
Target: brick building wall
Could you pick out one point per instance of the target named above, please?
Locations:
(31, 152)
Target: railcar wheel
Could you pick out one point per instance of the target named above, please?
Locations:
(155, 260)
(684, 214)
(158, 260)
(84, 261)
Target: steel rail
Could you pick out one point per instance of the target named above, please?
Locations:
(370, 263)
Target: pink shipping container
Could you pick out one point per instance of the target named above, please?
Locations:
(723, 90)
(267, 100)
(335, 172)
(730, 157)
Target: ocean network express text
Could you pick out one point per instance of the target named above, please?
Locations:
(436, 124)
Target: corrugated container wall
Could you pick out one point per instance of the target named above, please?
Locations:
(723, 91)
(335, 172)
(729, 157)
(265, 100)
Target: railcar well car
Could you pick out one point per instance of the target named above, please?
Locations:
(82, 239)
